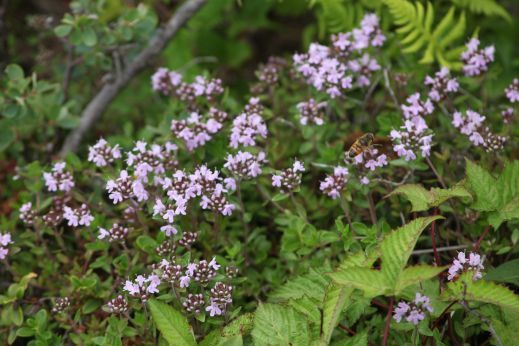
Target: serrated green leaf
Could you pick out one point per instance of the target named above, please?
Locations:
(334, 303)
(481, 291)
(396, 247)
(484, 187)
(506, 272)
(415, 274)
(371, 282)
(312, 285)
(172, 324)
(279, 325)
(508, 212)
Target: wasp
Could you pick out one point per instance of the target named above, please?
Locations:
(361, 144)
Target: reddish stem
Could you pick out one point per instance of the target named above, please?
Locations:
(388, 322)
(351, 332)
(478, 243)
(437, 321)
(433, 239)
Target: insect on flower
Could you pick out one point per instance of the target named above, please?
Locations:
(361, 144)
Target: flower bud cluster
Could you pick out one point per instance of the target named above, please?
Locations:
(462, 264)
(245, 165)
(58, 179)
(249, 126)
(441, 85)
(5, 240)
(333, 184)
(116, 233)
(331, 68)
(413, 312)
(102, 154)
(311, 112)
(472, 125)
(476, 60)
(289, 179)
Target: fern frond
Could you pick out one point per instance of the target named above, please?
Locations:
(486, 7)
(416, 29)
(337, 15)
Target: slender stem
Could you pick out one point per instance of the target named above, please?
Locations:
(346, 209)
(483, 319)
(372, 212)
(437, 321)
(438, 176)
(243, 221)
(388, 322)
(388, 87)
(415, 335)
(439, 249)
(433, 240)
(478, 243)
(351, 332)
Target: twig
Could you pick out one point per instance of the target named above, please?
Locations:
(372, 211)
(439, 249)
(351, 332)
(388, 322)
(388, 87)
(438, 176)
(102, 99)
(433, 239)
(478, 243)
(437, 321)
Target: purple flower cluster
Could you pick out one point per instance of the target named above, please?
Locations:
(508, 115)
(411, 139)
(126, 187)
(170, 83)
(441, 85)
(463, 264)
(268, 74)
(154, 159)
(416, 109)
(142, 287)
(476, 60)
(101, 154)
(248, 126)
(27, 213)
(289, 179)
(244, 164)
(333, 184)
(512, 91)
(369, 160)
(472, 125)
(331, 69)
(58, 178)
(311, 112)
(5, 240)
(116, 233)
(413, 312)
(78, 216)
(197, 130)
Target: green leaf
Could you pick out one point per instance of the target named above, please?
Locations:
(312, 285)
(360, 339)
(481, 291)
(334, 303)
(396, 247)
(413, 275)
(62, 30)
(14, 72)
(487, 7)
(422, 200)
(279, 325)
(372, 282)
(507, 212)
(506, 272)
(484, 187)
(241, 326)
(508, 182)
(89, 37)
(171, 323)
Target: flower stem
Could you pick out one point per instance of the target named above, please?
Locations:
(388, 322)
(478, 243)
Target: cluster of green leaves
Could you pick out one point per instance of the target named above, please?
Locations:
(26, 104)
